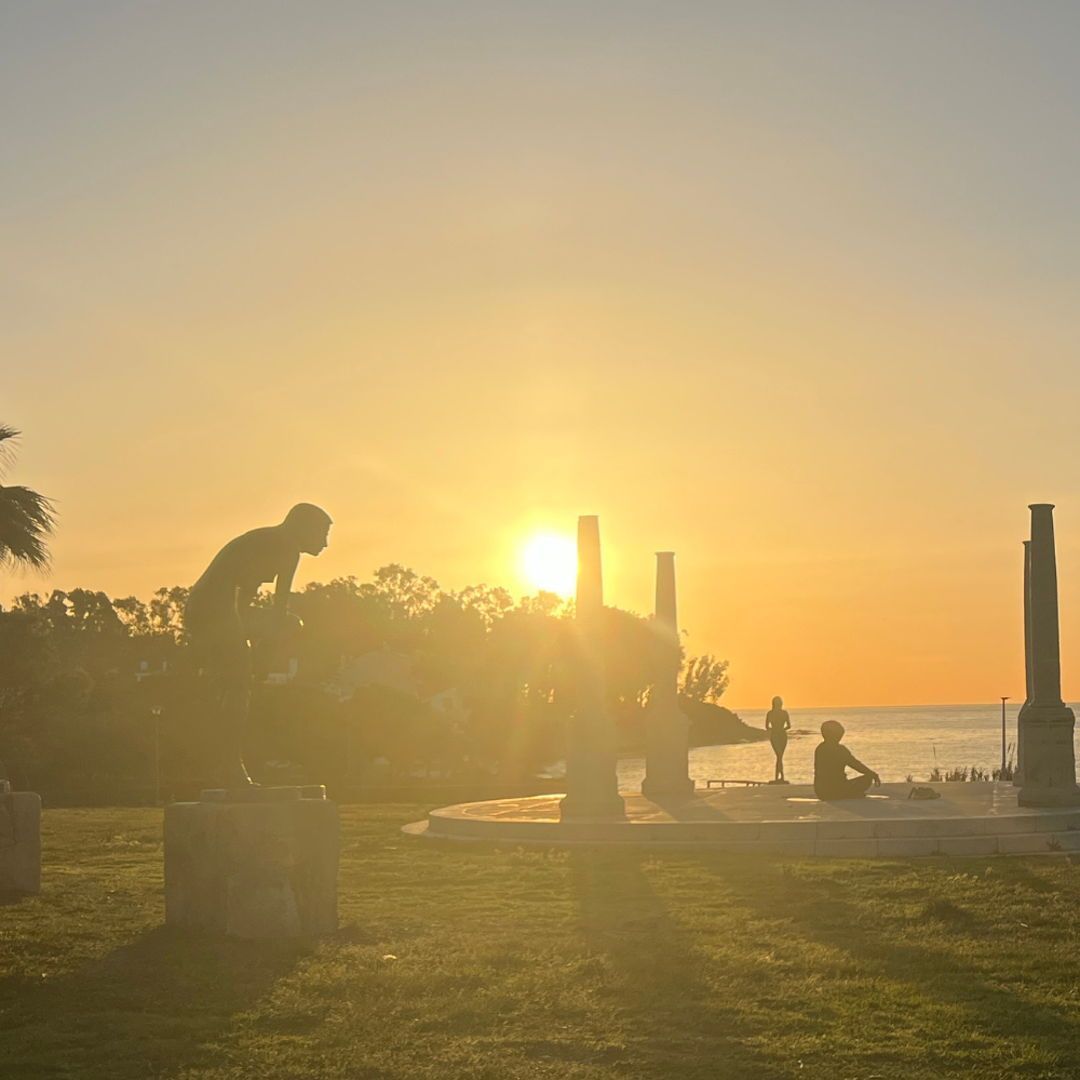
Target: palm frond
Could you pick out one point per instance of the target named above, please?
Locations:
(8, 436)
(26, 522)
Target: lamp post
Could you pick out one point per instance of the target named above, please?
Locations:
(155, 712)
(1004, 698)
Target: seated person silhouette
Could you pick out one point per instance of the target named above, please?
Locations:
(830, 761)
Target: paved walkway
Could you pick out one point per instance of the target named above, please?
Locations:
(968, 819)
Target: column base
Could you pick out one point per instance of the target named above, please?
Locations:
(578, 807)
(1048, 756)
(660, 788)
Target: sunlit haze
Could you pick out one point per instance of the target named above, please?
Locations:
(787, 289)
(549, 562)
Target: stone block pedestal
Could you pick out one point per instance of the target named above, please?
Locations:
(255, 863)
(1049, 777)
(20, 841)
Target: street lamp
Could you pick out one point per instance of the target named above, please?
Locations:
(155, 711)
(1004, 698)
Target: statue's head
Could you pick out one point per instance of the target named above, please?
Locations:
(308, 526)
(777, 703)
(832, 731)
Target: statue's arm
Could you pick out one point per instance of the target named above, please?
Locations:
(283, 590)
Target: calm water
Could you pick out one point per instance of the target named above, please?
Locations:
(893, 741)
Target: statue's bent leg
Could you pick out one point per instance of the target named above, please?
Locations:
(234, 704)
(224, 656)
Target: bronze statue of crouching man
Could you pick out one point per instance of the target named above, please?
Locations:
(216, 619)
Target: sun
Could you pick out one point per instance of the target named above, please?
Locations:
(549, 562)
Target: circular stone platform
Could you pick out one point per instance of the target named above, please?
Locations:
(968, 819)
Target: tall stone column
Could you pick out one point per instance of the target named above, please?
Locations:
(1046, 734)
(592, 785)
(667, 730)
(1018, 771)
(1028, 677)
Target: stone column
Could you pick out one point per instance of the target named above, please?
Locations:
(1018, 772)
(667, 730)
(1028, 677)
(1046, 734)
(592, 786)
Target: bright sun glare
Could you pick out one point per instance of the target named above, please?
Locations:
(549, 562)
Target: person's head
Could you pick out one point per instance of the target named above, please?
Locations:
(777, 703)
(308, 526)
(832, 731)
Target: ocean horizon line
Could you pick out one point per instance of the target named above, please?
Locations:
(1010, 704)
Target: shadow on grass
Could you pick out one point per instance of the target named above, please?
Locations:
(162, 1003)
(677, 1018)
(825, 914)
(1016, 872)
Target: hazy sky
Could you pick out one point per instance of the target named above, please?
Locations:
(789, 288)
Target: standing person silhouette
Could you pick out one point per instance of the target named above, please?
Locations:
(777, 724)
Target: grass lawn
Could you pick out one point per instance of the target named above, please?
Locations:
(482, 962)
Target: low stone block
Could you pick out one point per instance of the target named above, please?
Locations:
(847, 849)
(254, 869)
(788, 830)
(1056, 822)
(1014, 823)
(778, 847)
(908, 845)
(1026, 844)
(1063, 841)
(845, 830)
(968, 845)
(919, 827)
(20, 842)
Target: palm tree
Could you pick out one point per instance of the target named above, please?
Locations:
(26, 518)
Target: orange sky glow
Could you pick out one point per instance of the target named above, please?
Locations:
(728, 277)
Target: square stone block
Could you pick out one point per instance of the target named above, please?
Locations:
(254, 869)
(20, 842)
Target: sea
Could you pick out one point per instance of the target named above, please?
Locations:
(895, 741)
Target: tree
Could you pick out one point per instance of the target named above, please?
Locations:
(705, 679)
(26, 518)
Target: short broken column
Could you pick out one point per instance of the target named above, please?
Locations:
(253, 862)
(1045, 726)
(667, 730)
(20, 841)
